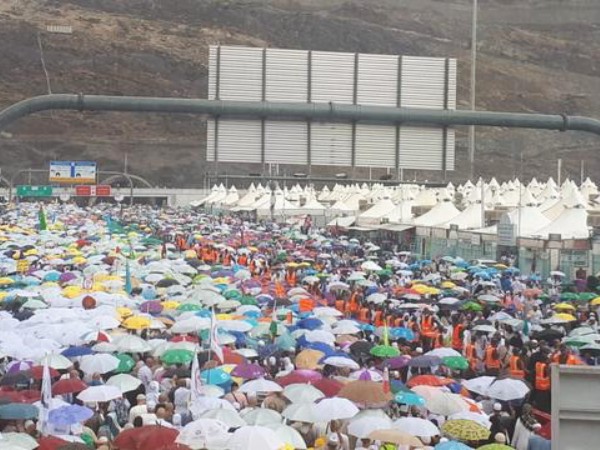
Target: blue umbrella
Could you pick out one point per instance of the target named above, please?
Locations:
(75, 351)
(268, 350)
(409, 398)
(69, 415)
(240, 338)
(401, 333)
(452, 445)
(204, 313)
(309, 324)
(215, 376)
(320, 346)
(18, 411)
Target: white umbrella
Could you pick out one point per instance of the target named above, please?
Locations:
(301, 412)
(481, 419)
(370, 265)
(478, 385)
(124, 382)
(417, 427)
(320, 336)
(485, 328)
(234, 325)
(231, 418)
(255, 438)
(260, 385)
(132, 344)
(446, 404)
(211, 390)
(97, 394)
(335, 409)
(99, 363)
(288, 434)
(364, 426)
(443, 352)
(340, 361)
(302, 393)
(261, 416)
(105, 347)
(327, 311)
(190, 325)
(56, 361)
(18, 441)
(507, 389)
(204, 433)
(346, 328)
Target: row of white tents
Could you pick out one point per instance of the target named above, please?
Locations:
(536, 209)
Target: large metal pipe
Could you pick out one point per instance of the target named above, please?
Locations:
(314, 111)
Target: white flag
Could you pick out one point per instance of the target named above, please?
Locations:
(214, 343)
(196, 380)
(46, 396)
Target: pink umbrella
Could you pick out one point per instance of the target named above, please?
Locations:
(300, 376)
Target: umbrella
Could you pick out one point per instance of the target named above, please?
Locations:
(204, 433)
(301, 412)
(68, 386)
(495, 447)
(409, 398)
(425, 361)
(417, 427)
(452, 445)
(507, 389)
(69, 415)
(362, 427)
(384, 351)
(335, 409)
(74, 351)
(465, 430)
(299, 377)
(100, 363)
(145, 437)
(328, 386)
(55, 361)
(126, 363)
(288, 434)
(132, 344)
(365, 392)
(124, 382)
(18, 411)
(96, 394)
(429, 380)
(260, 385)
(262, 416)
(308, 359)
(248, 371)
(341, 361)
(177, 356)
(255, 438)
(446, 404)
(398, 362)
(478, 385)
(302, 393)
(17, 441)
(455, 362)
(394, 436)
(229, 417)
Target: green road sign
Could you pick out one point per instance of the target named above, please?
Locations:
(34, 191)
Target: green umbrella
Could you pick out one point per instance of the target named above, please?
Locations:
(569, 296)
(186, 307)
(126, 363)
(177, 356)
(587, 296)
(247, 300)
(455, 362)
(384, 272)
(232, 294)
(384, 351)
(472, 306)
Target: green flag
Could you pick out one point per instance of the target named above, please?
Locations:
(43, 225)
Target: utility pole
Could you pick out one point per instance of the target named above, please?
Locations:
(473, 86)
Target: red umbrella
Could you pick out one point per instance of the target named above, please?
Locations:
(37, 372)
(149, 436)
(328, 386)
(299, 376)
(428, 380)
(231, 357)
(51, 443)
(68, 386)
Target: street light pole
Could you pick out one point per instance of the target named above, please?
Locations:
(473, 84)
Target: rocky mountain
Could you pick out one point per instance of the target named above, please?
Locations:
(534, 56)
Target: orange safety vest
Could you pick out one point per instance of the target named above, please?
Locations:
(227, 260)
(243, 260)
(363, 316)
(571, 360)
(339, 305)
(289, 317)
(491, 362)
(279, 290)
(471, 355)
(542, 380)
(427, 327)
(457, 342)
(353, 306)
(515, 369)
(291, 278)
(378, 319)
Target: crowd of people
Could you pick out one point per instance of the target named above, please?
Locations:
(171, 328)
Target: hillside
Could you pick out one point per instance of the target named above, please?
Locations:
(534, 56)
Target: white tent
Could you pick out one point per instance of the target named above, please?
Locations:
(374, 214)
(439, 214)
(571, 224)
(468, 219)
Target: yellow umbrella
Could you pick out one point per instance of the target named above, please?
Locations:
(71, 292)
(501, 266)
(190, 254)
(224, 316)
(595, 302)
(565, 316)
(465, 430)
(31, 252)
(564, 306)
(448, 285)
(308, 359)
(136, 323)
(5, 281)
(221, 280)
(171, 304)
(3, 295)
(79, 260)
(124, 312)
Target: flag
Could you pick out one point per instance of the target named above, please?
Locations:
(386, 380)
(196, 380)
(128, 287)
(42, 223)
(386, 336)
(46, 396)
(214, 343)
